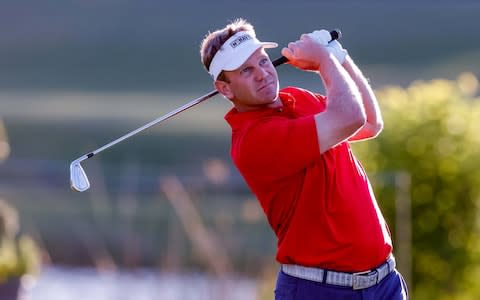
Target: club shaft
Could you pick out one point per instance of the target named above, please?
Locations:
(154, 122)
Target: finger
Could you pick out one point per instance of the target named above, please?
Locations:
(304, 36)
(321, 36)
(293, 45)
(287, 53)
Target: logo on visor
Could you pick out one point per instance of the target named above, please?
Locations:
(238, 41)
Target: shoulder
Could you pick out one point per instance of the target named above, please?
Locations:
(300, 93)
(302, 101)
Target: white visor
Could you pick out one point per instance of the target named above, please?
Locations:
(235, 51)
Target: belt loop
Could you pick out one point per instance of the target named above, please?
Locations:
(324, 279)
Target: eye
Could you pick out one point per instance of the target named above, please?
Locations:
(263, 61)
(246, 70)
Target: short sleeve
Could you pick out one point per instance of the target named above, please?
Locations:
(276, 147)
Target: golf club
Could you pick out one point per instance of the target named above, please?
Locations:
(78, 178)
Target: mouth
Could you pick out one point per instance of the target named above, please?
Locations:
(265, 86)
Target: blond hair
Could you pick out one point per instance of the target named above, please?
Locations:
(213, 41)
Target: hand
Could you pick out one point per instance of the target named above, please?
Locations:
(337, 50)
(323, 37)
(307, 53)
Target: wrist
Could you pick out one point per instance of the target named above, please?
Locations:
(338, 51)
(328, 64)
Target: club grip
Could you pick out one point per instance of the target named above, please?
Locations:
(335, 34)
(279, 61)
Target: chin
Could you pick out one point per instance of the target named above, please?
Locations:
(273, 96)
(275, 102)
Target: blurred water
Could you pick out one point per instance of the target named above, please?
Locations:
(56, 283)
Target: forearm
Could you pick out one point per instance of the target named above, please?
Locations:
(374, 120)
(344, 115)
(343, 93)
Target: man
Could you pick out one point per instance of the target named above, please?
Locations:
(292, 148)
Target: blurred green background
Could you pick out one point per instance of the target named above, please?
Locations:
(75, 75)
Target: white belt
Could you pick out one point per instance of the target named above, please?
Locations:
(357, 281)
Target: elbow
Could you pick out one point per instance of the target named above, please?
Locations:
(372, 130)
(377, 128)
(358, 118)
(376, 125)
(353, 123)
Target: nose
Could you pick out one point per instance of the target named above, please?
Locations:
(261, 73)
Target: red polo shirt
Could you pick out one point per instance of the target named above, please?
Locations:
(321, 207)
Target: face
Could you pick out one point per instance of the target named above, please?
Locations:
(253, 85)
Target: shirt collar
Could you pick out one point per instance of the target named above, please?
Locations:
(236, 119)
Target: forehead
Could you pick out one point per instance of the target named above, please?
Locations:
(259, 53)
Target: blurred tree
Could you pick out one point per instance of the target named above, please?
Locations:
(432, 132)
(19, 255)
(4, 145)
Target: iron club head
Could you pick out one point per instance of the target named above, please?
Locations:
(78, 179)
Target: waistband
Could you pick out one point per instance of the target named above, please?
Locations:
(357, 281)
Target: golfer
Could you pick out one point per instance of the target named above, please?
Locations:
(292, 146)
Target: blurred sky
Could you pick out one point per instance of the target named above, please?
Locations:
(148, 45)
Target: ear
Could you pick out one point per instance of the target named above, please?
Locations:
(224, 88)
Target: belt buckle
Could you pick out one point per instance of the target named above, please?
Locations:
(359, 281)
